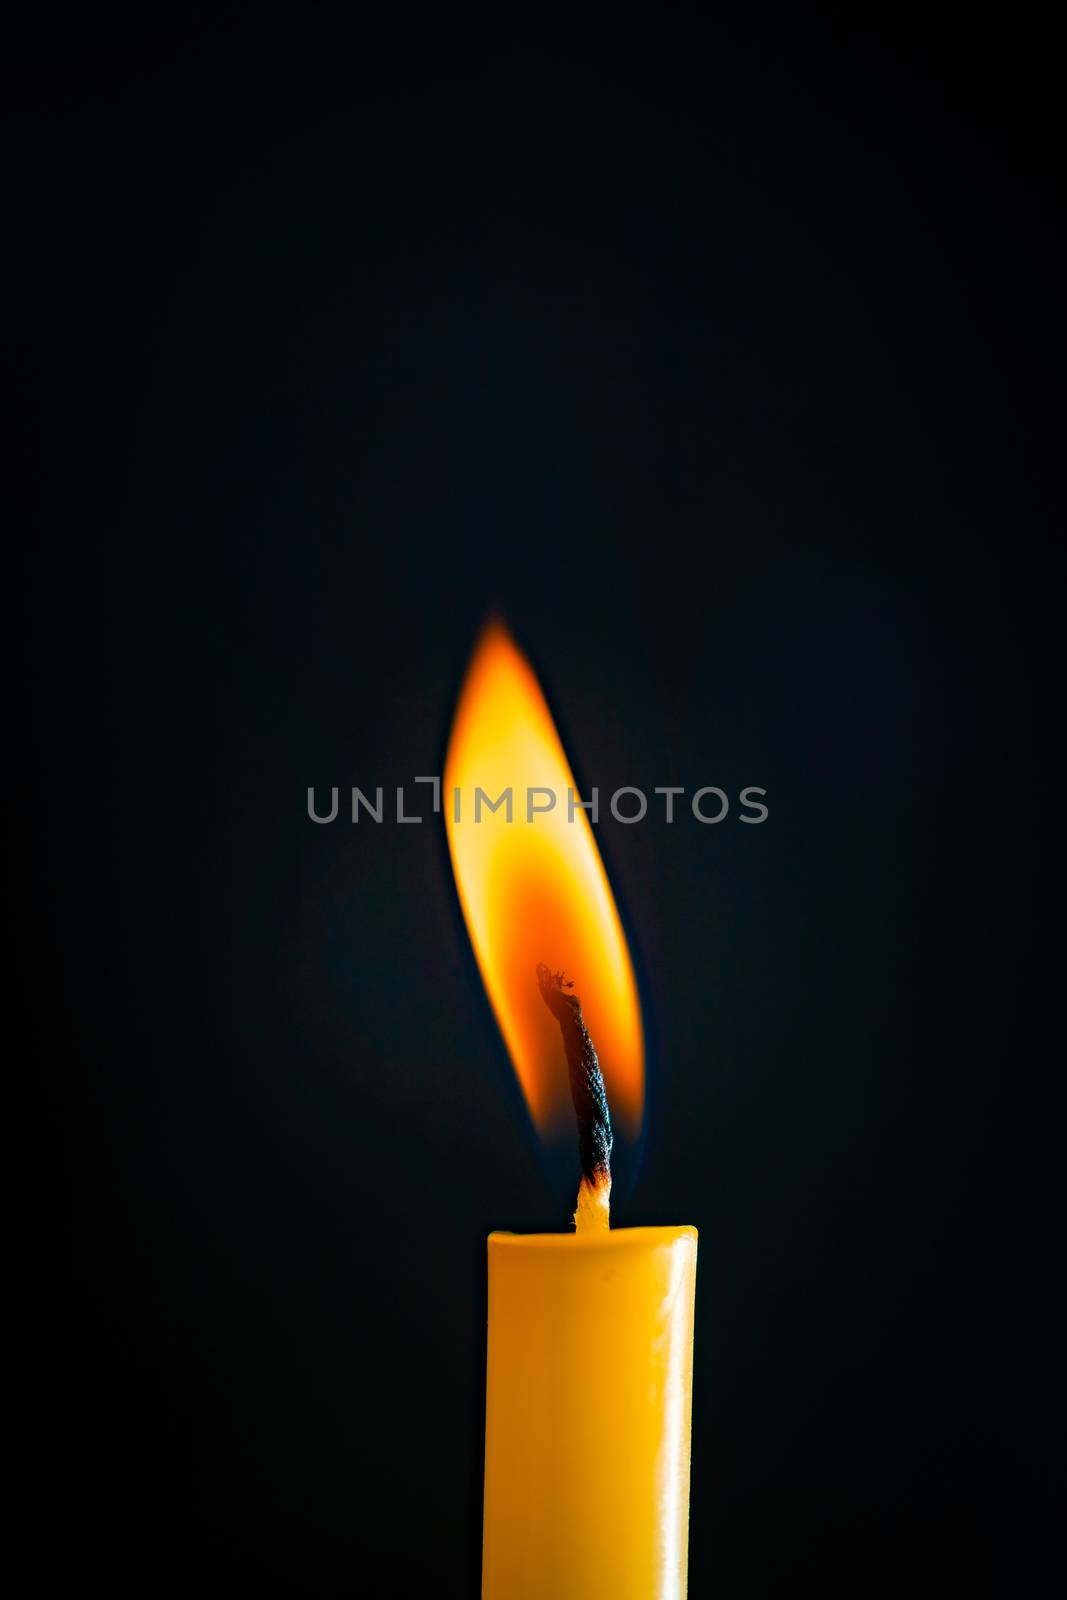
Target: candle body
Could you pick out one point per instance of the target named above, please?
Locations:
(588, 1404)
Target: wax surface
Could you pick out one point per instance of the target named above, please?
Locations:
(588, 1405)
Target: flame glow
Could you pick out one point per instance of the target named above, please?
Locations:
(535, 889)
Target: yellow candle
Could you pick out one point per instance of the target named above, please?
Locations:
(590, 1357)
(588, 1404)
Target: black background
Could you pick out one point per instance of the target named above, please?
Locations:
(715, 355)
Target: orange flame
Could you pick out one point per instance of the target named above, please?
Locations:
(534, 888)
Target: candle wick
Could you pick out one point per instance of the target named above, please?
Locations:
(589, 1097)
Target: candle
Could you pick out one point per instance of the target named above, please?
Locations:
(590, 1339)
(589, 1385)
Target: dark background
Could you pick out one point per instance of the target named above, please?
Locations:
(716, 356)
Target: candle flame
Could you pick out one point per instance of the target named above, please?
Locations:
(534, 889)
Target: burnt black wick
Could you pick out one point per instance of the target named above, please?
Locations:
(587, 1084)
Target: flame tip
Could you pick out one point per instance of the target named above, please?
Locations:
(494, 627)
